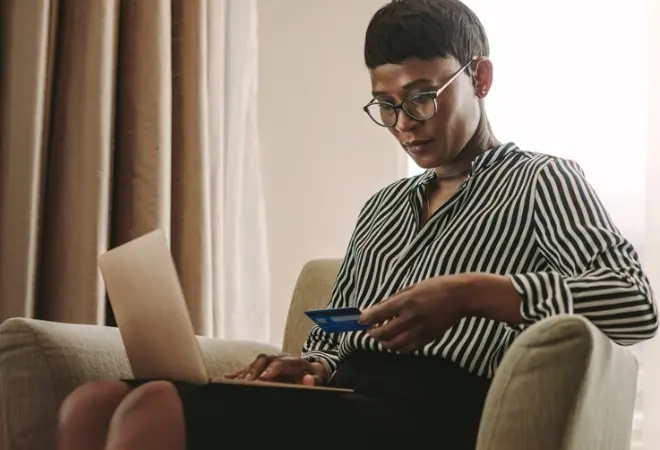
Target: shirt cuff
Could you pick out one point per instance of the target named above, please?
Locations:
(544, 294)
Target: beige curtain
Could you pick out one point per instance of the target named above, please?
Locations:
(104, 135)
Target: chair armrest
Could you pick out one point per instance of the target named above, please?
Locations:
(312, 291)
(563, 385)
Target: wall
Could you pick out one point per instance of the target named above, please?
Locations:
(322, 157)
(651, 350)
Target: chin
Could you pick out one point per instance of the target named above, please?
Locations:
(427, 161)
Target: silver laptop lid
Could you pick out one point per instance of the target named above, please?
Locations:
(151, 312)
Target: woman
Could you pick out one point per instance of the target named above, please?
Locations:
(489, 240)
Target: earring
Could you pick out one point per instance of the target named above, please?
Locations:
(481, 93)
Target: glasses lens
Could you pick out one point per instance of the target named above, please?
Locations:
(382, 113)
(420, 108)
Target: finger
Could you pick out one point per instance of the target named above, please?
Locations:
(391, 329)
(284, 370)
(240, 374)
(407, 340)
(271, 371)
(257, 367)
(288, 371)
(236, 373)
(384, 310)
(309, 380)
(412, 347)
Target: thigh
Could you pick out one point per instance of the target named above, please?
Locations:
(218, 415)
(252, 416)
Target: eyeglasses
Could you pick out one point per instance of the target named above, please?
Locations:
(420, 106)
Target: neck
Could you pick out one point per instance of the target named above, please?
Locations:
(481, 141)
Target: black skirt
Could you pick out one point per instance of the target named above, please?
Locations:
(398, 401)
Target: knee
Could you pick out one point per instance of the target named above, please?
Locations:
(91, 400)
(159, 397)
(149, 417)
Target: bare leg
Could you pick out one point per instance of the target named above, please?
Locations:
(149, 418)
(85, 415)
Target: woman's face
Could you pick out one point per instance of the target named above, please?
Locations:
(437, 141)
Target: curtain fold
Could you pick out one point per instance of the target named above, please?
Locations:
(118, 117)
(191, 239)
(24, 85)
(74, 225)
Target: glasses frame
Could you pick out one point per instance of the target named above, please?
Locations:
(433, 94)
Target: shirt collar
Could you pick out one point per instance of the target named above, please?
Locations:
(481, 162)
(492, 156)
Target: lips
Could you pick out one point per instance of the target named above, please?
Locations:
(417, 145)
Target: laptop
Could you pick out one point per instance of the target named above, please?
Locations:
(152, 315)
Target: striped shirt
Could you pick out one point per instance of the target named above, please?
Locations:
(525, 215)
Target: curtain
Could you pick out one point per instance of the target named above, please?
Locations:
(240, 257)
(577, 79)
(115, 119)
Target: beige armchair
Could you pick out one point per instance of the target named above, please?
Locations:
(562, 385)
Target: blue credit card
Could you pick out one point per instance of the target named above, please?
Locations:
(337, 320)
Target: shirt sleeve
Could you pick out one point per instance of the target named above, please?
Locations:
(592, 270)
(321, 346)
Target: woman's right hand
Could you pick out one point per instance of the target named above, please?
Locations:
(282, 368)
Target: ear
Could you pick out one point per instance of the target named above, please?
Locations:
(482, 76)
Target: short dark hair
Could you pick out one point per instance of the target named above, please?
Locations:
(424, 29)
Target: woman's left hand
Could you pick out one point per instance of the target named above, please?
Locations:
(417, 315)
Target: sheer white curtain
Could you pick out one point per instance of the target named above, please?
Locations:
(572, 80)
(239, 256)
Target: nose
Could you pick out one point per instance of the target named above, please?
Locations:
(405, 123)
